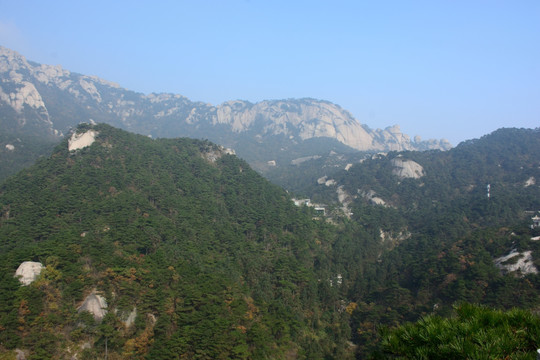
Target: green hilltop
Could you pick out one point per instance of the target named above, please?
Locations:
(175, 248)
(213, 260)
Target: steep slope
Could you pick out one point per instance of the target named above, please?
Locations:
(456, 226)
(44, 99)
(505, 160)
(18, 151)
(161, 249)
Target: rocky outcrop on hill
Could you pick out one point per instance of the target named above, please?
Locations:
(302, 119)
(28, 271)
(96, 305)
(82, 140)
(51, 100)
(521, 263)
(310, 118)
(407, 169)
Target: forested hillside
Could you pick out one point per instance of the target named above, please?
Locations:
(40, 101)
(18, 151)
(186, 252)
(195, 255)
(447, 238)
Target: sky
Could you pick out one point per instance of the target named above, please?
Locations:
(440, 68)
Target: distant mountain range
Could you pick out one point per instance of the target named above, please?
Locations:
(48, 101)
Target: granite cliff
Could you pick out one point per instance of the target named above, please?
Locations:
(49, 100)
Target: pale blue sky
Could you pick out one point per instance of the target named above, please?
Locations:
(440, 69)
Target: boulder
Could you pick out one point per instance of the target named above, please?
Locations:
(407, 169)
(96, 305)
(82, 140)
(28, 271)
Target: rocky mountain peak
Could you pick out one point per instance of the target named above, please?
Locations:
(11, 60)
(52, 100)
(310, 118)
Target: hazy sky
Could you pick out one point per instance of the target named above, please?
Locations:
(439, 68)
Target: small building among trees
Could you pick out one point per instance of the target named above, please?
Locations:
(536, 222)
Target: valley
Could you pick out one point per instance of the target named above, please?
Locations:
(151, 227)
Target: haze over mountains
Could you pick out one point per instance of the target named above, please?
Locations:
(132, 247)
(49, 100)
(191, 252)
(221, 263)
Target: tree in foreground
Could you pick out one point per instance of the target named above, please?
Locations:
(475, 332)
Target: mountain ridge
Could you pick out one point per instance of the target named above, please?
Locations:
(51, 99)
(212, 260)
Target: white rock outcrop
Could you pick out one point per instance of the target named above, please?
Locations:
(289, 118)
(322, 180)
(213, 155)
(371, 197)
(28, 271)
(524, 263)
(530, 181)
(345, 199)
(330, 182)
(20, 354)
(407, 169)
(82, 140)
(297, 119)
(130, 320)
(96, 305)
(27, 94)
(309, 118)
(394, 238)
(91, 89)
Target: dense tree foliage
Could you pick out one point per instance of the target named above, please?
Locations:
(475, 332)
(217, 262)
(18, 151)
(439, 234)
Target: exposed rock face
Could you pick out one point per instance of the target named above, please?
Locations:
(213, 155)
(516, 261)
(19, 354)
(407, 169)
(19, 92)
(322, 180)
(305, 119)
(82, 140)
(130, 320)
(96, 305)
(345, 199)
(530, 181)
(28, 271)
(310, 118)
(392, 238)
(330, 182)
(371, 197)
(49, 96)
